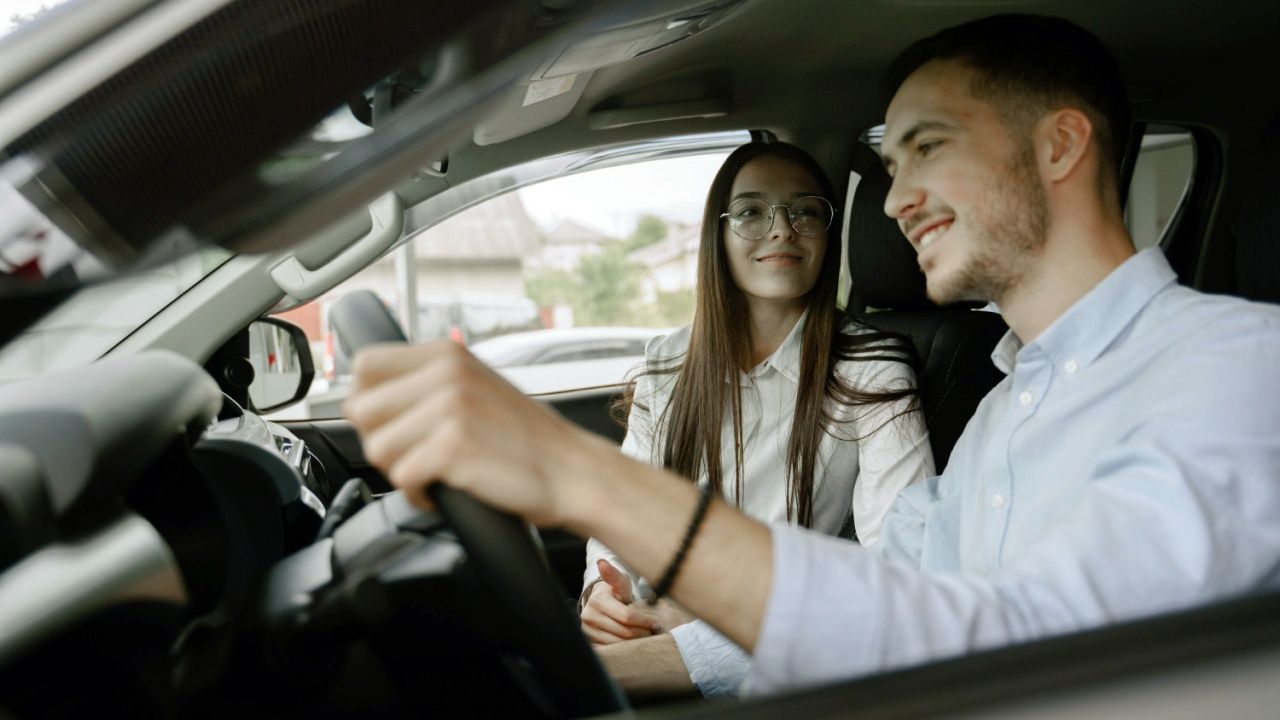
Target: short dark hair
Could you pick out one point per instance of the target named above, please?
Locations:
(1027, 64)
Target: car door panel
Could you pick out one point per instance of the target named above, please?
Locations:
(589, 409)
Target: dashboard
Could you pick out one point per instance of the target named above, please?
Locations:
(177, 555)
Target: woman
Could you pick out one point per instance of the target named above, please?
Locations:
(734, 399)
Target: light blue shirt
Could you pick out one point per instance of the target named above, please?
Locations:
(1128, 465)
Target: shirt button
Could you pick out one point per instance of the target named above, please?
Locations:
(1071, 366)
(1025, 398)
(997, 501)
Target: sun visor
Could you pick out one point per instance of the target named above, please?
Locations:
(531, 107)
(553, 90)
(220, 134)
(668, 22)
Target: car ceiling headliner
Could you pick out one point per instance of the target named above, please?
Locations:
(789, 64)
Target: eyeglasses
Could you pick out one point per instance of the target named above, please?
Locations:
(751, 219)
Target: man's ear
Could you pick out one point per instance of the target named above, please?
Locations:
(1063, 138)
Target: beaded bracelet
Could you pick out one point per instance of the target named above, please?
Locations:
(669, 577)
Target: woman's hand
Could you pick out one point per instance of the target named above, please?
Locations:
(610, 615)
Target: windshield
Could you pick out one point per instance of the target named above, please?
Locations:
(100, 311)
(33, 249)
(98, 316)
(163, 128)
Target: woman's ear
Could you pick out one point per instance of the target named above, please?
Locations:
(1063, 139)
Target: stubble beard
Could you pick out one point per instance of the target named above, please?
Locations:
(1007, 231)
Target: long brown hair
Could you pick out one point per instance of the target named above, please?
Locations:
(718, 349)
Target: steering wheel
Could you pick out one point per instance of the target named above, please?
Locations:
(510, 565)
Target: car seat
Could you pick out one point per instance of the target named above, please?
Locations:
(360, 318)
(954, 343)
(1257, 228)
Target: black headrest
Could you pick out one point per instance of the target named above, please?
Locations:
(360, 319)
(882, 264)
(1257, 229)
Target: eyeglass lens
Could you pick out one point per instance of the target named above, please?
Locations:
(751, 219)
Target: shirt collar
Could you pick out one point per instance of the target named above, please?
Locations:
(1082, 333)
(786, 359)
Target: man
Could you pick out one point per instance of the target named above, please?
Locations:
(1126, 466)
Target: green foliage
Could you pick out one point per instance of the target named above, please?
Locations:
(650, 229)
(675, 308)
(604, 288)
(609, 285)
(552, 287)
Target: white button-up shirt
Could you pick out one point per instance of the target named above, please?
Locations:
(1128, 465)
(859, 476)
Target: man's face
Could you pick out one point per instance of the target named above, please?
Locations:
(966, 191)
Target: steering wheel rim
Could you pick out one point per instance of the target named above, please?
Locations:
(510, 564)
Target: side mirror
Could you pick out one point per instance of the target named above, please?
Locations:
(282, 368)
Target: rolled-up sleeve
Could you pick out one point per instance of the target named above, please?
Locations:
(717, 666)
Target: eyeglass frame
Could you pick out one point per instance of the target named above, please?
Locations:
(773, 216)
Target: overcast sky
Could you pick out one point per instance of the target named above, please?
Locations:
(610, 200)
(9, 8)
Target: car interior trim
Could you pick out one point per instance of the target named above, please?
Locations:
(68, 581)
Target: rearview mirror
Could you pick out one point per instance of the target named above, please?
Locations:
(282, 366)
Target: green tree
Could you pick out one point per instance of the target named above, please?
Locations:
(551, 287)
(675, 308)
(608, 286)
(650, 229)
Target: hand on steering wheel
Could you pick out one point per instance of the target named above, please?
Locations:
(407, 404)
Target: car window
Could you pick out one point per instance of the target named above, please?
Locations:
(582, 269)
(592, 351)
(565, 354)
(1161, 176)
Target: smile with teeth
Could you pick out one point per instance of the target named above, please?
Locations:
(927, 239)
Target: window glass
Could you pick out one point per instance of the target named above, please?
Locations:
(564, 355)
(19, 12)
(558, 285)
(1160, 180)
(99, 316)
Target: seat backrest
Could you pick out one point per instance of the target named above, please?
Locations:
(954, 344)
(360, 318)
(1257, 229)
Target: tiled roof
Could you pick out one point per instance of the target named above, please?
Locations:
(569, 232)
(495, 229)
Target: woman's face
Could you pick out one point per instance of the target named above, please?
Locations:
(783, 266)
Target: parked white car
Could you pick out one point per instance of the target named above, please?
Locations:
(544, 361)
